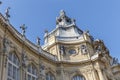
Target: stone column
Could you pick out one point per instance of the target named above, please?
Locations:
(101, 75)
(60, 73)
(95, 74)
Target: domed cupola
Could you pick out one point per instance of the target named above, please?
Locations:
(66, 40)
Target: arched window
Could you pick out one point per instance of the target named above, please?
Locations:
(13, 67)
(50, 76)
(78, 77)
(31, 72)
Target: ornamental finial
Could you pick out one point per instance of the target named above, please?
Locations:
(23, 28)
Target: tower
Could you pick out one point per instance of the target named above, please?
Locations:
(67, 41)
(71, 44)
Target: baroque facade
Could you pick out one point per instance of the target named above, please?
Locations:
(68, 53)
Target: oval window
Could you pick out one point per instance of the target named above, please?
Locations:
(72, 51)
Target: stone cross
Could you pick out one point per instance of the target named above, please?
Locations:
(23, 28)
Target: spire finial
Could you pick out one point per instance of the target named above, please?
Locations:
(7, 15)
(23, 28)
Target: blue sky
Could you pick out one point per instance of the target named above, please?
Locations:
(100, 17)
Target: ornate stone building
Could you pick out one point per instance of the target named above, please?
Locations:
(68, 53)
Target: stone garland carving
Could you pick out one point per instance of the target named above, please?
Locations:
(84, 49)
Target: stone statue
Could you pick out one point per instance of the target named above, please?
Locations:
(38, 41)
(84, 49)
(7, 15)
(62, 50)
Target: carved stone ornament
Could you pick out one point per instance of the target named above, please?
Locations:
(115, 61)
(63, 20)
(42, 71)
(62, 50)
(99, 47)
(6, 45)
(24, 60)
(109, 74)
(84, 49)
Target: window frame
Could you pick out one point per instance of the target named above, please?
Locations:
(30, 73)
(14, 68)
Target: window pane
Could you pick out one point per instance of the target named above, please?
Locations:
(9, 69)
(13, 68)
(33, 78)
(32, 72)
(14, 72)
(49, 76)
(29, 77)
(29, 69)
(10, 57)
(78, 78)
